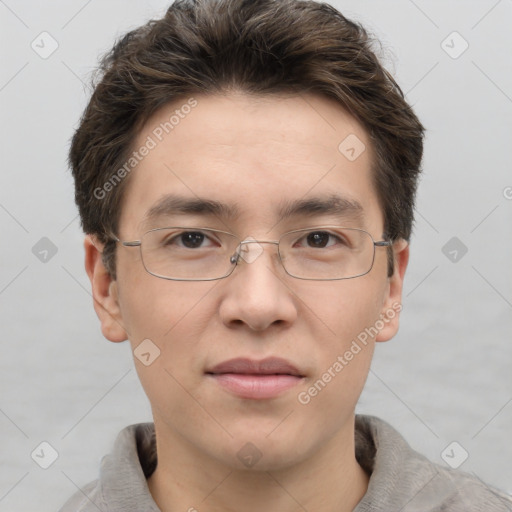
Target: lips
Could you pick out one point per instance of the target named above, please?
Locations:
(256, 380)
(269, 366)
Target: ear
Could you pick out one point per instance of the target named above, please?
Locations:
(392, 305)
(104, 292)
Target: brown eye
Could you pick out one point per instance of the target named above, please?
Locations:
(192, 239)
(318, 239)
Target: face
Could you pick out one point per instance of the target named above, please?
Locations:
(263, 160)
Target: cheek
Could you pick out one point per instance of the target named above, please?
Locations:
(343, 309)
(345, 313)
(173, 316)
(157, 308)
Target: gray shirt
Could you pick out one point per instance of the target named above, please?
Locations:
(401, 480)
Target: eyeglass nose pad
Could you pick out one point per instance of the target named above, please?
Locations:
(249, 250)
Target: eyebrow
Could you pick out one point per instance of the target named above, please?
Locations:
(331, 205)
(172, 204)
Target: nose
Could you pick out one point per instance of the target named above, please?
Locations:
(256, 294)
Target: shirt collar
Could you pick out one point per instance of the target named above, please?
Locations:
(400, 478)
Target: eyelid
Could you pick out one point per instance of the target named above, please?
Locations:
(207, 233)
(329, 231)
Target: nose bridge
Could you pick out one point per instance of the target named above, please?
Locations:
(250, 253)
(257, 297)
(251, 240)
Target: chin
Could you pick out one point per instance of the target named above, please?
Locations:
(253, 450)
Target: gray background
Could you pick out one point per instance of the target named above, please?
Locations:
(446, 377)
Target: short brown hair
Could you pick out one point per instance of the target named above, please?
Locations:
(258, 47)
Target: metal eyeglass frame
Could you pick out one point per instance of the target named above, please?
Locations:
(235, 258)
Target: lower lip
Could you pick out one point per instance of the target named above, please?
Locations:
(256, 387)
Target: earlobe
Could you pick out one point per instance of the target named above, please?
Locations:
(392, 305)
(104, 292)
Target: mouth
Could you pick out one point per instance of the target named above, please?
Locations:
(257, 380)
(245, 366)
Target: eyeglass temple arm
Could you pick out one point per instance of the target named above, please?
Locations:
(133, 243)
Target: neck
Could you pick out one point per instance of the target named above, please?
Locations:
(329, 481)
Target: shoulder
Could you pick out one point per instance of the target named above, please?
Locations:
(403, 479)
(126, 467)
(87, 499)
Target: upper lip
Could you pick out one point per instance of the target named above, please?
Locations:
(268, 366)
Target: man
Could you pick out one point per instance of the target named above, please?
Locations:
(245, 173)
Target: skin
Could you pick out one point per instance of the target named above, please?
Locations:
(254, 152)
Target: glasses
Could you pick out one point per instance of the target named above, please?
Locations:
(202, 254)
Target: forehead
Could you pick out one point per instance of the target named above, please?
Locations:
(260, 156)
